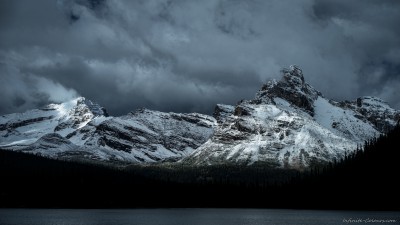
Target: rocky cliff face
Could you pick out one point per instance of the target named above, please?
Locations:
(288, 124)
(149, 136)
(374, 110)
(291, 124)
(81, 127)
(27, 127)
(292, 88)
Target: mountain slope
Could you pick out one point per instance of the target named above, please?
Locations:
(26, 128)
(150, 136)
(290, 124)
(81, 128)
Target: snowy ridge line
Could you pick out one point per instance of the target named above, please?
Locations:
(288, 124)
(291, 124)
(82, 128)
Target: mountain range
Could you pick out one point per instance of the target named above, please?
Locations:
(288, 124)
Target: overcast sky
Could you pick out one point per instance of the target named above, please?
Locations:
(188, 55)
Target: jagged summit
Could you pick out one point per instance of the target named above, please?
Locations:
(78, 113)
(292, 87)
(82, 128)
(291, 124)
(63, 118)
(293, 75)
(77, 104)
(93, 107)
(89, 106)
(288, 124)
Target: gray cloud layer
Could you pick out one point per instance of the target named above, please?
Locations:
(184, 56)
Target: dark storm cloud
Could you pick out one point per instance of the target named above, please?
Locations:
(186, 56)
(373, 31)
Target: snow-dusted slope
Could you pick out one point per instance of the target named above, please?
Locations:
(289, 124)
(374, 110)
(54, 145)
(51, 145)
(342, 122)
(26, 128)
(81, 127)
(149, 136)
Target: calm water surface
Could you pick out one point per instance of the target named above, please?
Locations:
(191, 217)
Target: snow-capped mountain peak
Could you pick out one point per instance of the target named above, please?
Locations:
(82, 127)
(95, 108)
(63, 118)
(291, 124)
(292, 87)
(288, 124)
(74, 106)
(293, 75)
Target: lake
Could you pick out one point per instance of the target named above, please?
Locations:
(191, 217)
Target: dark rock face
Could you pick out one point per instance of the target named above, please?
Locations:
(20, 123)
(123, 137)
(292, 88)
(84, 111)
(103, 141)
(221, 112)
(374, 110)
(242, 110)
(150, 136)
(87, 105)
(54, 138)
(275, 128)
(288, 123)
(36, 129)
(50, 145)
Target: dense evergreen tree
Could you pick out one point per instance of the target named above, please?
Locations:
(33, 181)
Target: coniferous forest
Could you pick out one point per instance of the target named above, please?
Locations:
(366, 179)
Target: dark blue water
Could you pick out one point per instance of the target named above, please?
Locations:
(191, 217)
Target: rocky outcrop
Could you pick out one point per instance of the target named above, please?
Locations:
(287, 124)
(50, 145)
(374, 110)
(153, 136)
(11, 125)
(293, 88)
(221, 112)
(290, 124)
(65, 118)
(84, 111)
(140, 136)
